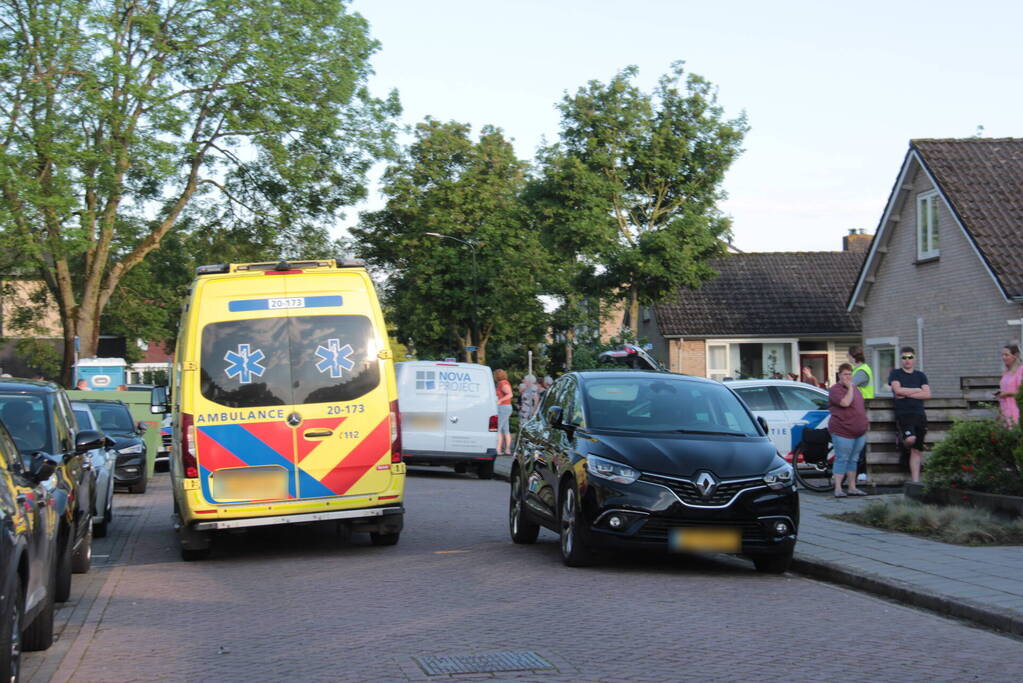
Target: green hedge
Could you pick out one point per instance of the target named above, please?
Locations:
(982, 455)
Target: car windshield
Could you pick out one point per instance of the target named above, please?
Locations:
(82, 417)
(26, 420)
(113, 418)
(665, 404)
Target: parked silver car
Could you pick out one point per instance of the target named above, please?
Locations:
(103, 461)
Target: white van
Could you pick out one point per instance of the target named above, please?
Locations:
(448, 415)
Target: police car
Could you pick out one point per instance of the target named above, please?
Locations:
(787, 406)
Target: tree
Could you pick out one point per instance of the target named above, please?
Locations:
(446, 183)
(124, 117)
(643, 173)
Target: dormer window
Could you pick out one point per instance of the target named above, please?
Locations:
(927, 226)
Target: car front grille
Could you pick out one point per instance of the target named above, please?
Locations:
(689, 494)
(660, 528)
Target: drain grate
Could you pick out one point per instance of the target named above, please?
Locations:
(482, 663)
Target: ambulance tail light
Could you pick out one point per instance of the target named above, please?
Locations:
(493, 423)
(395, 433)
(189, 463)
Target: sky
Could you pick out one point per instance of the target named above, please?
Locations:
(833, 91)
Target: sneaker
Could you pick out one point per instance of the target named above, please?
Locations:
(861, 477)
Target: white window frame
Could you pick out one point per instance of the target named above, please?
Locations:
(729, 371)
(872, 347)
(927, 234)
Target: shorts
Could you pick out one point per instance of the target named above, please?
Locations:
(504, 419)
(911, 425)
(847, 452)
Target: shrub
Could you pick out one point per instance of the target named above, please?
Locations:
(962, 526)
(982, 455)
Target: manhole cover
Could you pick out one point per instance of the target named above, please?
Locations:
(482, 663)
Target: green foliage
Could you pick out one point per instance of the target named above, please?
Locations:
(982, 455)
(448, 184)
(628, 194)
(40, 355)
(125, 121)
(949, 524)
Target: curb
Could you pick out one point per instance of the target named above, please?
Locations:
(904, 593)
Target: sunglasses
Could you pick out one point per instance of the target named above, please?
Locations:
(910, 357)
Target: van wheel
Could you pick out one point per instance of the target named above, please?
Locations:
(139, 487)
(384, 539)
(81, 560)
(39, 634)
(485, 470)
(63, 588)
(195, 554)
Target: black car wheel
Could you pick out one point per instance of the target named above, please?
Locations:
(139, 486)
(81, 560)
(10, 629)
(39, 634)
(772, 564)
(522, 530)
(63, 589)
(574, 552)
(384, 539)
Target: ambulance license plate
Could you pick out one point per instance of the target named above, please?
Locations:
(706, 539)
(250, 483)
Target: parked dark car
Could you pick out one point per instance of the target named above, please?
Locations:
(28, 555)
(116, 421)
(39, 418)
(640, 459)
(103, 461)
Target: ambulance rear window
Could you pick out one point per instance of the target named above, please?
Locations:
(286, 361)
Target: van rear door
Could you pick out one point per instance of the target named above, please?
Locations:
(423, 407)
(471, 403)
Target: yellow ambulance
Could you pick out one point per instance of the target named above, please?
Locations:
(284, 403)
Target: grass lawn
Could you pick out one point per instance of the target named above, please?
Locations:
(949, 524)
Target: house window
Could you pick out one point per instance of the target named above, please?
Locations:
(742, 359)
(927, 225)
(881, 357)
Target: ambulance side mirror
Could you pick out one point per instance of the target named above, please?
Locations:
(158, 400)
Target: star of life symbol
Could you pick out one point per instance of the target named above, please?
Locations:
(334, 357)
(244, 363)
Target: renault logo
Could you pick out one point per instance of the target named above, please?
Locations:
(706, 484)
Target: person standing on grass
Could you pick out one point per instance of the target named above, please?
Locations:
(1008, 389)
(848, 426)
(504, 411)
(910, 389)
(863, 379)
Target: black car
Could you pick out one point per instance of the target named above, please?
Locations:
(39, 418)
(28, 555)
(116, 422)
(640, 459)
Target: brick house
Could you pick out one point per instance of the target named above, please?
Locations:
(765, 313)
(944, 273)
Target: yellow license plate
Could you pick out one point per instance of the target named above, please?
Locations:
(250, 483)
(707, 540)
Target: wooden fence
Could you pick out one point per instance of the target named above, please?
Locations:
(885, 464)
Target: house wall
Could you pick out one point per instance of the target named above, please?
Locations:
(963, 311)
(16, 295)
(690, 357)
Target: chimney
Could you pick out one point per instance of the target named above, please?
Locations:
(856, 240)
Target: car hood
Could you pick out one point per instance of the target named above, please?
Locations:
(684, 455)
(123, 440)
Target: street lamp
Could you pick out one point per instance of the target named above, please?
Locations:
(474, 329)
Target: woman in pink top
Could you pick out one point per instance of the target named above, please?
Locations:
(1009, 386)
(504, 410)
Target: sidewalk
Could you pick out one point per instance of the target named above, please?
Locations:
(979, 584)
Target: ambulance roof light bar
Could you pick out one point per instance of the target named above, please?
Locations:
(213, 269)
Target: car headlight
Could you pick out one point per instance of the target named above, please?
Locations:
(780, 478)
(136, 448)
(610, 470)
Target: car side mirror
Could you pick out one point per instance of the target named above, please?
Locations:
(140, 427)
(108, 442)
(41, 467)
(87, 439)
(158, 403)
(554, 416)
(763, 424)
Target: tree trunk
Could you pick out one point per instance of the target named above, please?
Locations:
(481, 352)
(569, 348)
(634, 312)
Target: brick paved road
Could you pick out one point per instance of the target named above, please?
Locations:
(299, 604)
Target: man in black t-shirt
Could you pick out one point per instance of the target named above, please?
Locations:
(910, 389)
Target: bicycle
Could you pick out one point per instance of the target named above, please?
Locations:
(816, 454)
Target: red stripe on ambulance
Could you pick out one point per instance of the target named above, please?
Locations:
(360, 460)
